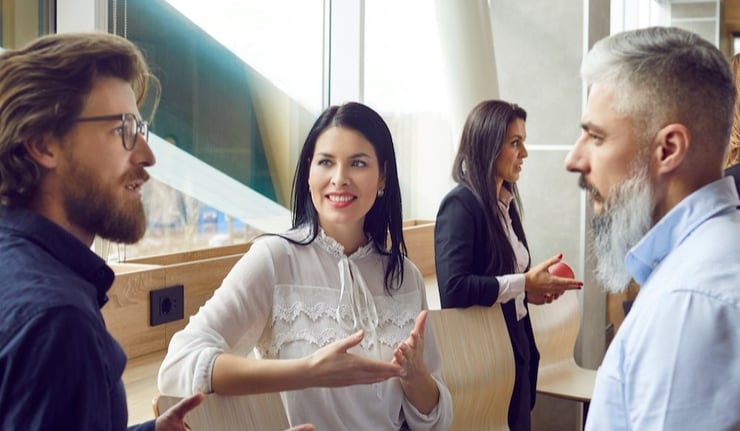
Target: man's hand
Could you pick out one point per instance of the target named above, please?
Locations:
(174, 418)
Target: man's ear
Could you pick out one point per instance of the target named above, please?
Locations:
(671, 146)
(46, 152)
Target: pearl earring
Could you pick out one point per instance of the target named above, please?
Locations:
(381, 192)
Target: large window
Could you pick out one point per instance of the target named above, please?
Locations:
(700, 16)
(403, 80)
(240, 81)
(21, 21)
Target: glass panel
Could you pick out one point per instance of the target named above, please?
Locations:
(701, 17)
(280, 39)
(706, 29)
(240, 84)
(404, 82)
(694, 10)
(21, 21)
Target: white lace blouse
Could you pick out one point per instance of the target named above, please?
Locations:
(285, 301)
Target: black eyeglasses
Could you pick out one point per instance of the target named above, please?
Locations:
(130, 127)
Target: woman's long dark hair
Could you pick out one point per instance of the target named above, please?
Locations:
(483, 137)
(384, 219)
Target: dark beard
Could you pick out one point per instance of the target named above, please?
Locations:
(98, 210)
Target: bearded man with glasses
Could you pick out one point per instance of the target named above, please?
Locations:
(73, 159)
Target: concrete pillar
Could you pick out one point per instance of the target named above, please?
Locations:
(466, 42)
(592, 340)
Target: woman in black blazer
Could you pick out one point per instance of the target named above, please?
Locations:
(481, 251)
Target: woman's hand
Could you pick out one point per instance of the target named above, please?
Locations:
(418, 386)
(333, 366)
(540, 298)
(543, 287)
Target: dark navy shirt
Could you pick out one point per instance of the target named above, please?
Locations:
(59, 366)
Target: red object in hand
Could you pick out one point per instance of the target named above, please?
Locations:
(561, 269)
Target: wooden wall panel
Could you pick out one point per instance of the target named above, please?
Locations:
(201, 279)
(419, 238)
(191, 255)
(730, 23)
(127, 312)
(732, 12)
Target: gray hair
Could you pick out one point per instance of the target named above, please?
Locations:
(663, 75)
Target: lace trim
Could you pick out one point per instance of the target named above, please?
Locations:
(314, 323)
(337, 250)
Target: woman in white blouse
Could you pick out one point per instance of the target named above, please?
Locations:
(334, 314)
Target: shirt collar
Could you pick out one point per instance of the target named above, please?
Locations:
(62, 245)
(334, 247)
(715, 198)
(505, 198)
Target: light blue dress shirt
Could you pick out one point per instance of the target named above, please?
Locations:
(675, 361)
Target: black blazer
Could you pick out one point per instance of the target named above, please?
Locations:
(462, 254)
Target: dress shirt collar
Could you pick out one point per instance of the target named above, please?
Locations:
(715, 198)
(61, 245)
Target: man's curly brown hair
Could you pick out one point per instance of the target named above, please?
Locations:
(43, 88)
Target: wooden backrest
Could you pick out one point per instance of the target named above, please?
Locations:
(263, 412)
(419, 239)
(477, 365)
(192, 255)
(555, 329)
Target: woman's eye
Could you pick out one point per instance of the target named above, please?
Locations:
(359, 163)
(324, 162)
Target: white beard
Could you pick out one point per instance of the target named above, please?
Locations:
(625, 219)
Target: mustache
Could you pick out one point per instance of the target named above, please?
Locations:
(138, 173)
(589, 188)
